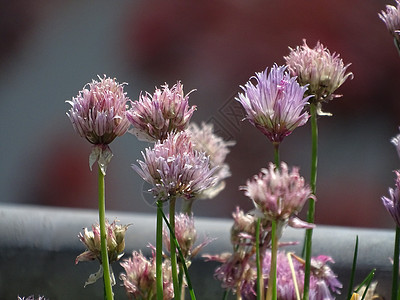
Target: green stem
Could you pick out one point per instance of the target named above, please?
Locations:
(180, 281)
(311, 207)
(174, 263)
(225, 295)
(189, 283)
(108, 293)
(159, 273)
(276, 155)
(260, 280)
(272, 289)
(395, 275)
(353, 270)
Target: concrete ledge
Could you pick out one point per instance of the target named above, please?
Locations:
(38, 246)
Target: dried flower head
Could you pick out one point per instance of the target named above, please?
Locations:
(278, 194)
(204, 140)
(115, 242)
(98, 113)
(175, 169)
(391, 17)
(275, 105)
(243, 228)
(155, 116)
(186, 236)
(392, 204)
(139, 278)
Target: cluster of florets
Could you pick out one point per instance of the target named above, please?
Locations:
(186, 235)
(204, 140)
(156, 116)
(175, 169)
(275, 104)
(139, 278)
(98, 113)
(115, 237)
(391, 17)
(238, 273)
(320, 70)
(278, 194)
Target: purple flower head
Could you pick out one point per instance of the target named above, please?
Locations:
(392, 204)
(275, 105)
(391, 17)
(175, 169)
(98, 113)
(155, 116)
(237, 273)
(277, 193)
(139, 278)
(204, 140)
(322, 71)
(186, 236)
(323, 282)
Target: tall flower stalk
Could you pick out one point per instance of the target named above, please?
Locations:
(323, 72)
(278, 195)
(276, 106)
(175, 169)
(98, 113)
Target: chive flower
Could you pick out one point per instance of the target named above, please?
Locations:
(98, 114)
(275, 103)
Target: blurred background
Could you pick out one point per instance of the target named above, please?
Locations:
(50, 49)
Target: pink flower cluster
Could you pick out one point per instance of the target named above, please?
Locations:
(139, 278)
(175, 169)
(155, 116)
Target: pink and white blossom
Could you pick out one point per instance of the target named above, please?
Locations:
(155, 116)
(319, 69)
(98, 113)
(175, 169)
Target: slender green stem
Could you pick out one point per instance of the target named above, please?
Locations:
(225, 295)
(180, 281)
(108, 293)
(353, 270)
(159, 273)
(395, 275)
(311, 207)
(272, 290)
(260, 280)
(174, 263)
(276, 155)
(181, 257)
